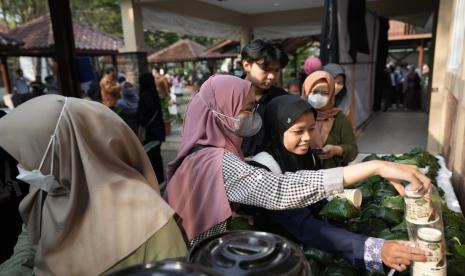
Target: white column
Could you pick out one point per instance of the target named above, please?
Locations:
(133, 30)
(246, 35)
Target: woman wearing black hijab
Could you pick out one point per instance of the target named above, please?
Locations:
(289, 122)
(149, 115)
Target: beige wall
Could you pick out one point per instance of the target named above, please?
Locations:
(447, 116)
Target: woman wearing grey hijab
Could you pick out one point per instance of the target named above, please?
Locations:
(94, 203)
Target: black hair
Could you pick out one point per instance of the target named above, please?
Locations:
(258, 49)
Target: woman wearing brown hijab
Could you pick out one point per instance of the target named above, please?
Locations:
(94, 204)
(336, 139)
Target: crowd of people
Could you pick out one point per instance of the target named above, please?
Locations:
(404, 86)
(248, 147)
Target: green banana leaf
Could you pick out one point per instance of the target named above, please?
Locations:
(394, 202)
(371, 227)
(391, 216)
(339, 209)
(367, 192)
(401, 227)
(237, 223)
(393, 235)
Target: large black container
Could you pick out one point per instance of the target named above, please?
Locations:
(241, 253)
(165, 268)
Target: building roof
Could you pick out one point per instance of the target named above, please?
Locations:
(7, 41)
(224, 49)
(181, 50)
(37, 36)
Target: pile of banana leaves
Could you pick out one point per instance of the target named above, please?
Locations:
(382, 216)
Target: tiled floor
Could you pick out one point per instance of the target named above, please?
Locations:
(394, 132)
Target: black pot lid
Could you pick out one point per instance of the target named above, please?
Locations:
(165, 268)
(250, 253)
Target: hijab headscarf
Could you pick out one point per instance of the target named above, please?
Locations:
(129, 99)
(325, 115)
(196, 187)
(107, 202)
(280, 115)
(334, 70)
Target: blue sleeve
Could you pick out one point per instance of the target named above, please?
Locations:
(322, 235)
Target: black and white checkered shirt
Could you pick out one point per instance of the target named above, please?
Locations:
(254, 186)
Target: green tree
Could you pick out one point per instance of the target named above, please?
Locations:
(104, 15)
(14, 13)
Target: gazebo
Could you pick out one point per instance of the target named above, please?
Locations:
(180, 51)
(36, 38)
(186, 50)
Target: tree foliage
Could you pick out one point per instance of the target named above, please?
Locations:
(14, 13)
(104, 15)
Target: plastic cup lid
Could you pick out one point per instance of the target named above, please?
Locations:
(429, 234)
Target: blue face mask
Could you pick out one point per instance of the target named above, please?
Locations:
(36, 178)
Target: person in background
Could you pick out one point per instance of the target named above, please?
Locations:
(37, 87)
(262, 63)
(51, 85)
(109, 88)
(150, 116)
(412, 99)
(162, 84)
(20, 88)
(335, 139)
(289, 124)
(12, 191)
(126, 106)
(389, 86)
(293, 87)
(121, 78)
(93, 204)
(342, 100)
(209, 171)
(312, 64)
(238, 71)
(94, 89)
(425, 79)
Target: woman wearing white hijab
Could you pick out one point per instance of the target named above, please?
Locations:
(94, 204)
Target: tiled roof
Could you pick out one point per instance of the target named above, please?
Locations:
(182, 50)
(37, 34)
(224, 49)
(7, 41)
(188, 50)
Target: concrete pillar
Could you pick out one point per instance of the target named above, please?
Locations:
(133, 29)
(246, 35)
(438, 103)
(134, 51)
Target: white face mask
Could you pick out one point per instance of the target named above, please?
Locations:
(318, 101)
(246, 126)
(35, 177)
